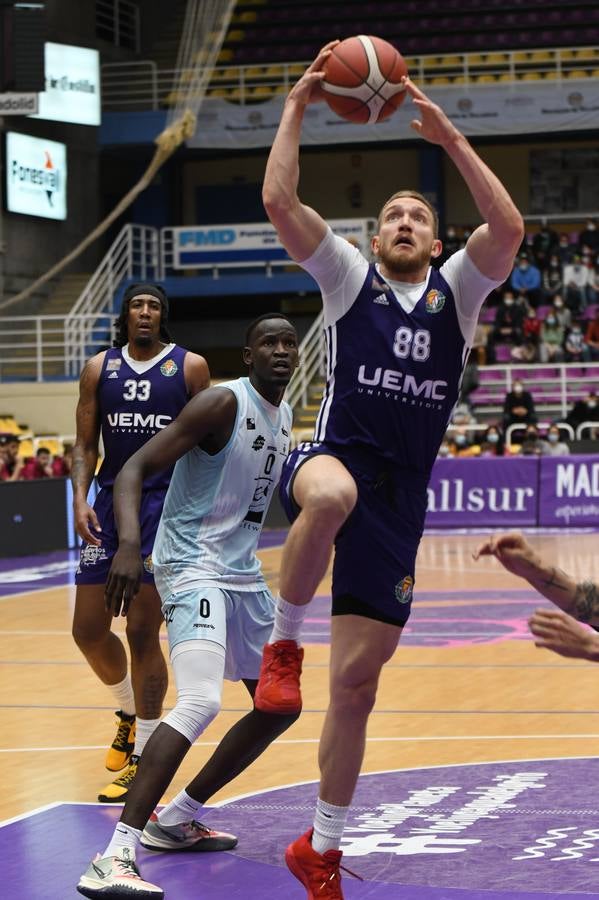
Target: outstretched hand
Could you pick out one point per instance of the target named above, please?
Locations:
(124, 580)
(308, 88)
(556, 630)
(87, 524)
(434, 126)
(512, 550)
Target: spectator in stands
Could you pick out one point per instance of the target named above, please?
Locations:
(562, 313)
(565, 249)
(585, 410)
(470, 380)
(553, 278)
(40, 466)
(479, 344)
(577, 277)
(491, 442)
(591, 336)
(461, 438)
(11, 464)
(544, 244)
(589, 237)
(446, 448)
(528, 350)
(451, 243)
(507, 328)
(532, 445)
(588, 260)
(554, 446)
(575, 348)
(551, 343)
(518, 409)
(525, 281)
(61, 465)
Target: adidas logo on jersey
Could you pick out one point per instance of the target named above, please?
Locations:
(381, 299)
(113, 375)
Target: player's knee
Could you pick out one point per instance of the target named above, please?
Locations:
(194, 710)
(353, 697)
(274, 724)
(332, 501)
(87, 634)
(142, 636)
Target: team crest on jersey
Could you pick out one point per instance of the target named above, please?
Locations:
(404, 589)
(169, 367)
(149, 564)
(113, 365)
(435, 301)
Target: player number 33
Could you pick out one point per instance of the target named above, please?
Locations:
(137, 390)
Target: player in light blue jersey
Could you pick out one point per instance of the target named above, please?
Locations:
(397, 336)
(229, 444)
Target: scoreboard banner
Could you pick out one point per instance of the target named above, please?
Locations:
(255, 243)
(491, 109)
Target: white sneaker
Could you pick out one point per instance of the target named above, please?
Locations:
(186, 836)
(117, 876)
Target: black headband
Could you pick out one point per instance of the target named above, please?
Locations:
(154, 290)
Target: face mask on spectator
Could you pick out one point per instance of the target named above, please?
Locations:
(558, 304)
(552, 437)
(492, 438)
(591, 403)
(523, 265)
(509, 301)
(591, 226)
(460, 440)
(576, 331)
(550, 321)
(532, 314)
(518, 389)
(444, 450)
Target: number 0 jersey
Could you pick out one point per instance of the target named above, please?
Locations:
(138, 399)
(395, 353)
(216, 504)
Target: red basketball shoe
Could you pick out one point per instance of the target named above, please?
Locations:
(318, 872)
(278, 689)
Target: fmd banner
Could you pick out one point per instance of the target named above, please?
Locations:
(256, 243)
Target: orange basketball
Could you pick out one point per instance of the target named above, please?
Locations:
(362, 80)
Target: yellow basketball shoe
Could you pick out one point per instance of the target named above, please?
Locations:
(116, 792)
(121, 748)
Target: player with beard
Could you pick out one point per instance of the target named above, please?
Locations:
(397, 333)
(127, 394)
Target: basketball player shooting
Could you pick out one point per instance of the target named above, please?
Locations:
(398, 333)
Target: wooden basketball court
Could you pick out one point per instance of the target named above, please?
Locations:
(466, 685)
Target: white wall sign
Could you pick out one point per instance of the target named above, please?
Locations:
(36, 176)
(72, 85)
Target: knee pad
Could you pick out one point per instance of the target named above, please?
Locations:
(198, 667)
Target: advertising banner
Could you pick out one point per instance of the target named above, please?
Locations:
(501, 109)
(569, 491)
(36, 176)
(473, 493)
(72, 91)
(256, 243)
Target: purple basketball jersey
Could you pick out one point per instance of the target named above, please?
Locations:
(393, 377)
(134, 407)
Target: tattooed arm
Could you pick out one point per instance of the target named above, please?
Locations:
(517, 556)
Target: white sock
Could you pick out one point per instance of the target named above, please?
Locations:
(329, 823)
(123, 694)
(289, 619)
(182, 808)
(124, 836)
(144, 728)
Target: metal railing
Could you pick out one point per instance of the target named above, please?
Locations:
(312, 359)
(142, 85)
(117, 21)
(540, 426)
(133, 255)
(36, 345)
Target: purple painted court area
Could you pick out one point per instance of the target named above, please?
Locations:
(497, 831)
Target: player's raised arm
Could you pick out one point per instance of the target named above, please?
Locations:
(85, 451)
(300, 228)
(491, 246)
(208, 415)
